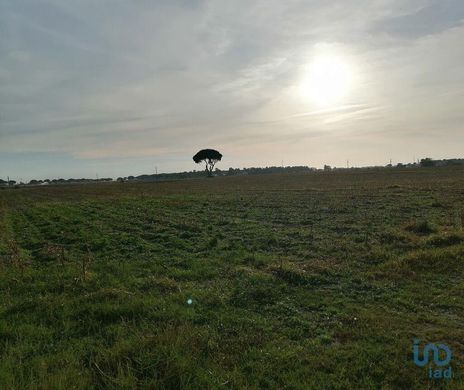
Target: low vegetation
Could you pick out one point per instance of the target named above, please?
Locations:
(313, 280)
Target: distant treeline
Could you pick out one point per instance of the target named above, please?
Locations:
(429, 162)
(423, 163)
(53, 181)
(219, 172)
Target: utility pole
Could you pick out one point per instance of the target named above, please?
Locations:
(347, 164)
(156, 170)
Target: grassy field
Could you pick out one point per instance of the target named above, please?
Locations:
(317, 280)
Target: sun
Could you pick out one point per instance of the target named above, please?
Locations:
(328, 80)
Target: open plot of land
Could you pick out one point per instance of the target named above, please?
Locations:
(317, 280)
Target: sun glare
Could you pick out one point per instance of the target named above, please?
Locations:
(328, 80)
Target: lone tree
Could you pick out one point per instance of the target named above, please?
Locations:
(210, 157)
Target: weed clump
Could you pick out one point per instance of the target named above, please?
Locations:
(421, 227)
(445, 240)
(213, 243)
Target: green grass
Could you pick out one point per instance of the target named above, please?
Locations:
(297, 281)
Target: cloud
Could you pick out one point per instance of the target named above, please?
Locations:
(118, 79)
(430, 19)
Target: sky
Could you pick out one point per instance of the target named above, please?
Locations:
(117, 87)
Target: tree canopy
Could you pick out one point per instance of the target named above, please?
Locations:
(210, 157)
